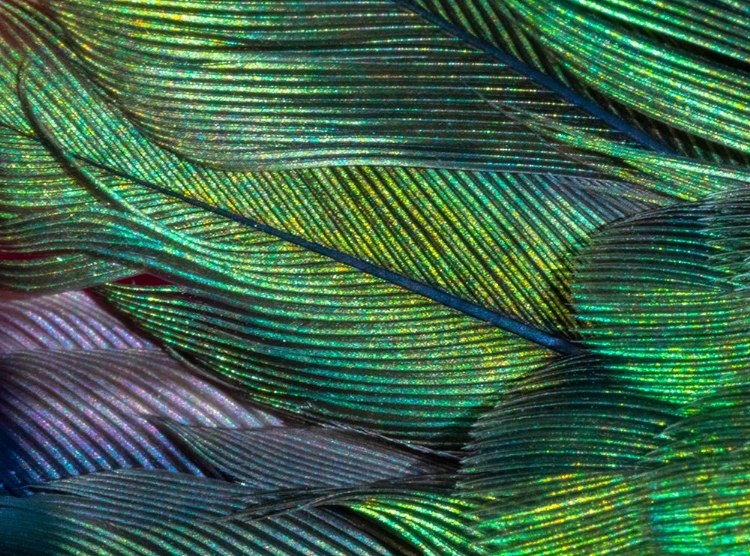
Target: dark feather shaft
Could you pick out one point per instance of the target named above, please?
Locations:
(494, 318)
(540, 78)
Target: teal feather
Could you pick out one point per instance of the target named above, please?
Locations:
(376, 277)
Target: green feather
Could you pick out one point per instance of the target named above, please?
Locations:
(680, 284)
(662, 53)
(513, 229)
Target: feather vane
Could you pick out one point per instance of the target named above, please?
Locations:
(392, 277)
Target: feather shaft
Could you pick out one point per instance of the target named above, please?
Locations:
(542, 79)
(494, 318)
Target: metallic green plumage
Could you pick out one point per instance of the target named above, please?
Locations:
(497, 248)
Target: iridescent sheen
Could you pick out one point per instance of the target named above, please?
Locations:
(427, 277)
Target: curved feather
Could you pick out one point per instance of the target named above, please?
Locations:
(678, 324)
(79, 388)
(146, 512)
(557, 463)
(420, 371)
(27, 171)
(383, 380)
(228, 267)
(670, 63)
(248, 85)
(571, 513)
(698, 481)
(494, 240)
(72, 320)
(74, 412)
(295, 457)
(392, 215)
(435, 524)
(571, 416)
(147, 188)
(495, 22)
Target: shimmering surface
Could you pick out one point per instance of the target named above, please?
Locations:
(679, 326)
(149, 512)
(286, 457)
(602, 41)
(426, 383)
(513, 227)
(73, 320)
(249, 83)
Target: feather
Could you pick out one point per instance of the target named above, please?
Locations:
(511, 27)
(698, 483)
(680, 56)
(77, 396)
(144, 512)
(609, 426)
(286, 457)
(681, 282)
(557, 462)
(274, 74)
(524, 292)
(68, 321)
(374, 277)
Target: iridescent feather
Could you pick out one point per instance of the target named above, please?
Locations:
(374, 277)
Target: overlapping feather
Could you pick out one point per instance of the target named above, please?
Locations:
(515, 221)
